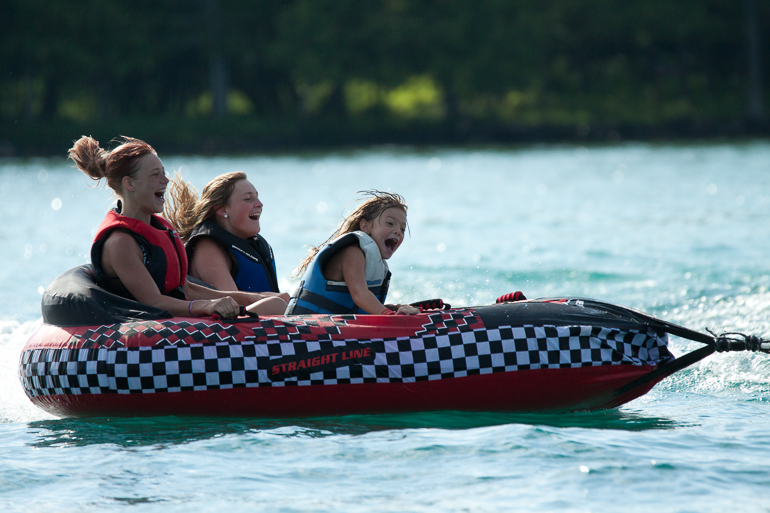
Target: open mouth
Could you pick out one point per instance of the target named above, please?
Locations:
(160, 195)
(255, 216)
(391, 244)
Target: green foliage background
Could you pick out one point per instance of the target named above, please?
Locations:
(243, 75)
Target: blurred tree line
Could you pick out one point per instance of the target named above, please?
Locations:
(244, 74)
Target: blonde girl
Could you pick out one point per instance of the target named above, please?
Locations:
(348, 273)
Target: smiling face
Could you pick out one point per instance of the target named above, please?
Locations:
(243, 211)
(144, 191)
(387, 230)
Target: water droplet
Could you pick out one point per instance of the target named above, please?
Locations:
(711, 188)
(584, 469)
(56, 204)
(40, 289)
(441, 247)
(434, 164)
(321, 207)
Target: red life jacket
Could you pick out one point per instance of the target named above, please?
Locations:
(162, 249)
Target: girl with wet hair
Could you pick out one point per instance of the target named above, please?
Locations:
(348, 272)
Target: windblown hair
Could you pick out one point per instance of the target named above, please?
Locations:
(369, 210)
(113, 165)
(185, 210)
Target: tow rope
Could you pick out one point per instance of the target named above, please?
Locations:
(727, 341)
(736, 341)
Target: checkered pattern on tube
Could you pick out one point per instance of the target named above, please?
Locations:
(165, 332)
(427, 356)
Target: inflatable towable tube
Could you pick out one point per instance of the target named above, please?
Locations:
(99, 354)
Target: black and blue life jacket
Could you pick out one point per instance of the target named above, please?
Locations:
(253, 264)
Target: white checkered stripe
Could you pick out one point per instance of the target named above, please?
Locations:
(170, 368)
(138, 369)
(508, 349)
(171, 332)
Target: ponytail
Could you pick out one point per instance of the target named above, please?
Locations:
(89, 157)
(113, 165)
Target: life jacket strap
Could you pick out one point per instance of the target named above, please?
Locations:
(322, 302)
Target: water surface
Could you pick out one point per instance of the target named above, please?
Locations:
(678, 231)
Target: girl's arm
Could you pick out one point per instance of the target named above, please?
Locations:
(259, 304)
(353, 264)
(404, 309)
(211, 265)
(122, 257)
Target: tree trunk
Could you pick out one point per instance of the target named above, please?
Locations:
(29, 98)
(756, 100)
(334, 106)
(104, 93)
(50, 98)
(218, 79)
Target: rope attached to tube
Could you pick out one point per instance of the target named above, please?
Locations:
(735, 341)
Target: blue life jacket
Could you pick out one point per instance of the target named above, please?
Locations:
(318, 295)
(253, 264)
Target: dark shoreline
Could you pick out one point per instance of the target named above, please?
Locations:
(242, 135)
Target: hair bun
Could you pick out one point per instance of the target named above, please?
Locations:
(89, 157)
